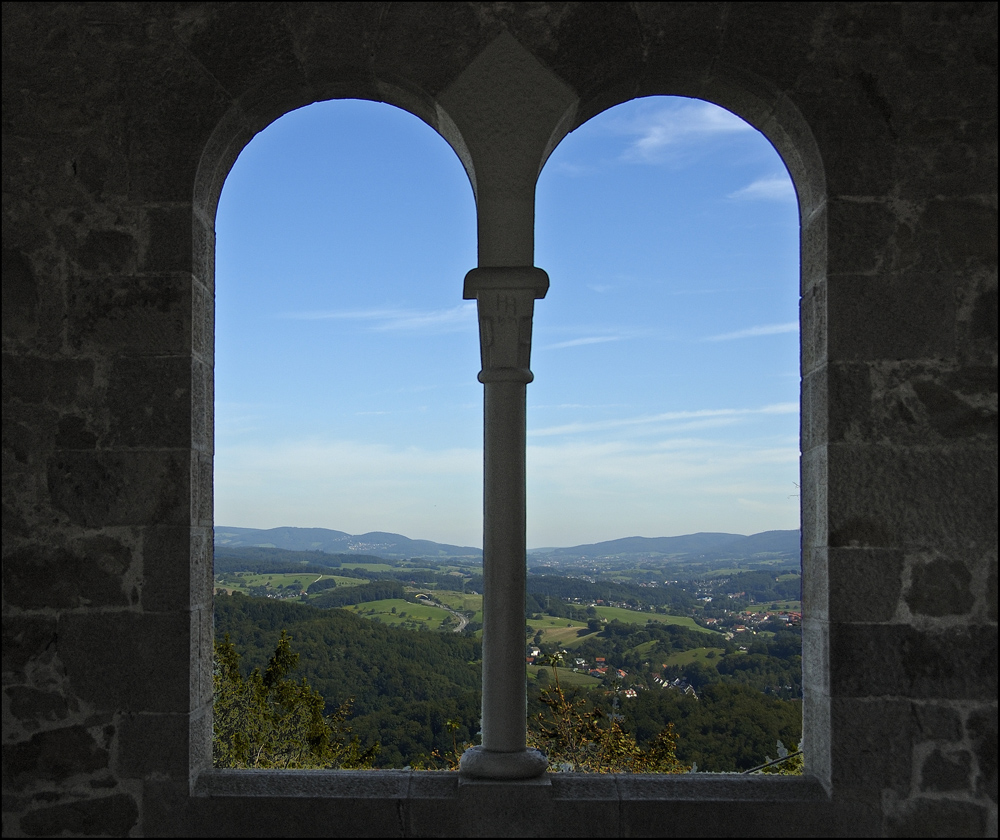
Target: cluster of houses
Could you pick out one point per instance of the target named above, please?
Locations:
(747, 621)
(600, 668)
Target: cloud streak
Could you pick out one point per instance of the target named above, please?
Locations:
(770, 188)
(580, 342)
(691, 122)
(693, 419)
(453, 319)
(756, 332)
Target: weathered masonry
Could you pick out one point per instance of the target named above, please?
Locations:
(120, 123)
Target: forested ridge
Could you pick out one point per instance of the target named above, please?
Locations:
(415, 692)
(405, 685)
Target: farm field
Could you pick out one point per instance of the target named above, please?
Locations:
(567, 677)
(786, 606)
(688, 657)
(636, 617)
(459, 601)
(243, 581)
(399, 613)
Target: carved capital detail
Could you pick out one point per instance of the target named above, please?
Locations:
(506, 299)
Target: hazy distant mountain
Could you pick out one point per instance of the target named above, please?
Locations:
(378, 543)
(707, 545)
(395, 546)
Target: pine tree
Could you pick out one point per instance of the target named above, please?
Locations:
(270, 721)
(575, 737)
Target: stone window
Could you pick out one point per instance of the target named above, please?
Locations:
(505, 284)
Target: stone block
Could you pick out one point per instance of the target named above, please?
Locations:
(871, 739)
(933, 498)
(814, 252)
(813, 324)
(202, 406)
(936, 817)
(911, 402)
(149, 314)
(89, 572)
(990, 590)
(509, 809)
(981, 731)
(957, 233)
(231, 44)
(173, 107)
(149, 402)
(136, 758)
(201, 657)
(203, 322)
(20, 297)
(59, 383)
(939, 587)
(816, 655)
(108, 252)
(814, 411)
(127, 661)
(815, 496)
(115, 815)
(937, 722)
(876, 572)
(202, 568)
(53, 756)
(170, 239)
(607, 51)
(106, 488)
(792, 137)
(757, 37)
(944, 771)
(32, 706)
(405, 41)
(978, 326)
(202, 493)
(847, 108)
(890, 317)
(868, 660)
(815, 583)
(169, 566)
(29, 433)
(26, 639)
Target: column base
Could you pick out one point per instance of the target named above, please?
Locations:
(479, 763)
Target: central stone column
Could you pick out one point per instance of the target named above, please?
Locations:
(505, 298)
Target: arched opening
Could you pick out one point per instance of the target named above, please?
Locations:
(348, 421)
(663, 426)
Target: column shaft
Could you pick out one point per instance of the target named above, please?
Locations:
(504, 698)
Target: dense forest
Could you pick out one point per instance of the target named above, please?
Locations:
(405, 685)
(415, 693)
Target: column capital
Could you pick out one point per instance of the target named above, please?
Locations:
(526, 278)
(506, 297)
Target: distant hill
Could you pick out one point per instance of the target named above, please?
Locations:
(377, 543)
(396, 546)
(709, 545)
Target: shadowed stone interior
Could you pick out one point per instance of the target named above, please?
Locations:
(121, 122)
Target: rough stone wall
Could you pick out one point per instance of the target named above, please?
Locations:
(120, 122)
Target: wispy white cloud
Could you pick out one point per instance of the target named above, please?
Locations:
(352, 486)
(452, 319)
(703, 418)
(771, 188)
(754, 332)
(658, 131)
(579, 342)
(582, 491)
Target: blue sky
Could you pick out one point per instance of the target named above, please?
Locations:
(665, 354)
